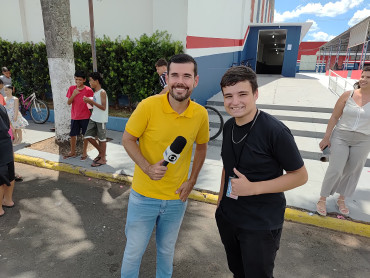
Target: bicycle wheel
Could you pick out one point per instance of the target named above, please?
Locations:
(39, 111)
(216, 122)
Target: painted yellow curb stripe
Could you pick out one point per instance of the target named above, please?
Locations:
(63, 167)
(346, 226)
(290, 214)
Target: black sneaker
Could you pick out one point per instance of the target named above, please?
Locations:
(18, 178)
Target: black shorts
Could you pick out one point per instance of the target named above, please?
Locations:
(78, 127)
(7, 173)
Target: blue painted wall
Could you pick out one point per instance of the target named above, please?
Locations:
(210, 69)
(290, 56)
(250, 49)
(114, 123)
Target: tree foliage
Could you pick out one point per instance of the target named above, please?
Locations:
(127, 64)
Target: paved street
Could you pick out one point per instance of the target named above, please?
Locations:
(67, 225)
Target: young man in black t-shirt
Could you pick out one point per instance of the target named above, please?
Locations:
(256, 149)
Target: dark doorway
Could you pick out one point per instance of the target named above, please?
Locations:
(270, 51)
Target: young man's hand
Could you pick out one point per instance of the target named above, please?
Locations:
(241, 186)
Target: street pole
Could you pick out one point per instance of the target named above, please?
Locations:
(92, 35)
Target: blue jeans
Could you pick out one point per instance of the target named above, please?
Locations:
(143, 214)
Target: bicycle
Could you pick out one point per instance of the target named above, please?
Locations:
(39, 111)
(216, 122)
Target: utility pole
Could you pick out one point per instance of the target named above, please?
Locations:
(92, 35)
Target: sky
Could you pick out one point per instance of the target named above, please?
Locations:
(330, 18)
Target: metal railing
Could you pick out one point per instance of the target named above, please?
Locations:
(338, 85)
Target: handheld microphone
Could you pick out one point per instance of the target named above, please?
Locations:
(172, 153)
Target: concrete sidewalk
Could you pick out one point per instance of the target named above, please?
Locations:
(303, 103)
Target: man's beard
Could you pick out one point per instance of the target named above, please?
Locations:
(180, 98)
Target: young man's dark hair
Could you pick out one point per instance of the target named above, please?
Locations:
(80, 73)
(161, 62)
(183, 59)
(1, 82)
(239, 74)
(97, 76)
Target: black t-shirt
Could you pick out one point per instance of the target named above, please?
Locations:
(264, 154)
(6, 146)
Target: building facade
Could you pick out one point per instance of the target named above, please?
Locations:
(218, 33)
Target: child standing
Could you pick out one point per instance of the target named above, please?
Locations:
(16, 118)
(98, 120)
(80, 114)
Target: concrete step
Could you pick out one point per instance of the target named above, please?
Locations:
(308, 147)
(307, 124)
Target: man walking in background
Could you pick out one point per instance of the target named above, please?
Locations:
(161, 67)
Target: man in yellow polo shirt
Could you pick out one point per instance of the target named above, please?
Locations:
(159, 193)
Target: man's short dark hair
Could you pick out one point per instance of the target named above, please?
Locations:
(1, 81)
(4, 69)
(161, 62)
(81, 74)
(96, 76)
(9, 87)
(239, 74)
(183, 59)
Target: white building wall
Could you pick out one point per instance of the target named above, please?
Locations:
(223, 19)
(10, 21)
(33, 26)
(171, 16)
(112, 18)
(219, 19)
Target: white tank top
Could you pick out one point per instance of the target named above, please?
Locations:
(354, 117)
(97, 114)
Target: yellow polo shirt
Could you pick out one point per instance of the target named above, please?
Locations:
(157, 125)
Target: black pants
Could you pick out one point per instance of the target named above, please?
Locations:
(250, 253)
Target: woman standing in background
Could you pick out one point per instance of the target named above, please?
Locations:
(348, 137)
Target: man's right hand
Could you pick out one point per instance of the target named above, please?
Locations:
(156, 171)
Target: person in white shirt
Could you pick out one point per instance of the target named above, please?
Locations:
(99, 118)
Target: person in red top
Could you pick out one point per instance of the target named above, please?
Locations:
(80, 113)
